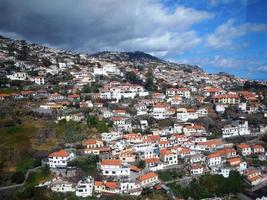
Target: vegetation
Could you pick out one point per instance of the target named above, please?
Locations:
(94, 87)
(141, 164)
(100, 125)
(209, 186)
(167, 175)
(71, 131)
(40, 176)
(149, 84)
(88, 165)
(132, 78)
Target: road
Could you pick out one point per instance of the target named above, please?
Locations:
(184, 180)
(21, 184)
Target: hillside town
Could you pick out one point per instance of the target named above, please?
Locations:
(126, 124)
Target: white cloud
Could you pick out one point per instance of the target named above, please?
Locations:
(261, 68)
(224, 62)
(221, 2)
(90, 25)
(225, 34)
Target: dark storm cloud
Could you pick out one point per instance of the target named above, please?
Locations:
(93, 25)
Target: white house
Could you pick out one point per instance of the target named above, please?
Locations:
(130, 187)
(143, 125)
(244, 149)
(62, 186)
(111, 136)
(160, 111)
(196, 169)
(214, 159)
(113, 167)
(148, 179)
(39, 80)
(184, 114)
(18, 76)
(60, 159)
(237, 128)
(154, 164)
(182, 92)
(168, 157)
(85, 187)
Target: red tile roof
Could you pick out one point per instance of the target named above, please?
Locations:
(60, 153)
(111, 162)
(147, 176)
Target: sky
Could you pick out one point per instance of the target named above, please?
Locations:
(217, 35)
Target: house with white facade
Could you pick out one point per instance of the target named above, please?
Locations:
(40, 80)
(237, 128)
(154, 164)
(62, 186)
(214, 159)
(149, 179)
(21, 76)
(114, 167)
(60, 159)
(244, 149)
(111, 136)
(196, 169)
(85, 187)
(184, 114)
(182, 92)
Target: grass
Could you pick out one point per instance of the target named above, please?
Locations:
(168, 175)
(38, 177)
(88, 165)
(27, 162)
(16, 142)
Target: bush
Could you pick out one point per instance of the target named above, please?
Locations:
(18, 177)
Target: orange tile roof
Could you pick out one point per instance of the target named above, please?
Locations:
(180, 136)
(196, 166)
(160, 105)
(258, 146)
(118, 118)
(185, 150)
(214, 155)
(111, 162)
(191, 110)
(134, 168)
(90, 141)
(164, 142)
(213, 89)
(98, 183)
(226, 151)
(222, 96)
(154, 137)
(120, 111)
(111, 185)
(60, 153)
(234, 161)
(213, 142)
(255, 178)
(165, 152)
(243, 146)
(4, 95)
(151, 160)
(147, 176)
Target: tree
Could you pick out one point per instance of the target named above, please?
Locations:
(24, 52)
(141, 164)
(91, 121)
(46, 62)
(132, 77)
(149, 84)
(18, 177)
(101, 127)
